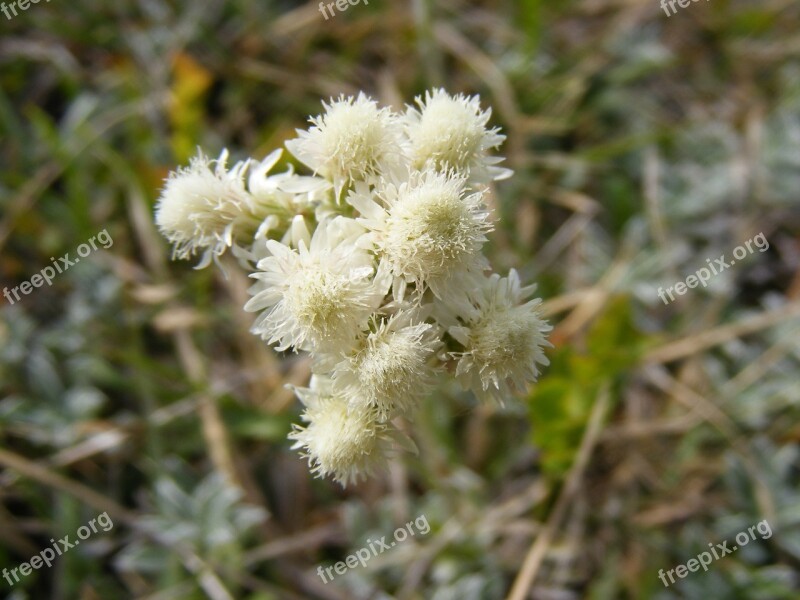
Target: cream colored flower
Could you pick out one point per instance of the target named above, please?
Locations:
(429, 230)
(415, 220)
(211, 209)
(200, 208)
(449, 132)
(345, 444)
(319, 296)
(503, 340)
(389, 370)
(354, 140)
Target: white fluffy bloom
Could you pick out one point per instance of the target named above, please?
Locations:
(449, 132)
(354, 140)
(503, 340)
(415, 220)
(320, 295)
(429, 230)
(211, 210)
(200, 208)
(340, 442)
(389, 370)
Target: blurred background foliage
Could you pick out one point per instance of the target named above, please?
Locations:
(642, 145)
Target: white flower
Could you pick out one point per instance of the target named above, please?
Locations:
(449, 132)
(429, 230)
(503, 340)
(319, 296)
(354, 140)
(340, 442)
(211, 210)
(415, 223)
(389, 370)
(200, 208)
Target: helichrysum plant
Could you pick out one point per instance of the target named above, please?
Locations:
(373, 265)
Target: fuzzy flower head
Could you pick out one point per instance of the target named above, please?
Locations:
(429, 230)
(340, 442)
(449, 132)
(354, 140)
(320, 295)
(503, 340)
(337, 441)
(389, 370)
(200, 207)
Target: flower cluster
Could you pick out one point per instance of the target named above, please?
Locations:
(373, 265)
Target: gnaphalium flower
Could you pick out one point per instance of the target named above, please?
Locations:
(340, 442)
(212, 209)
(503, 340)
(429, 230)
(415, 220)
(449, 132)
(389, 370)
(354, 140)
(320, 295)
(200, 207)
